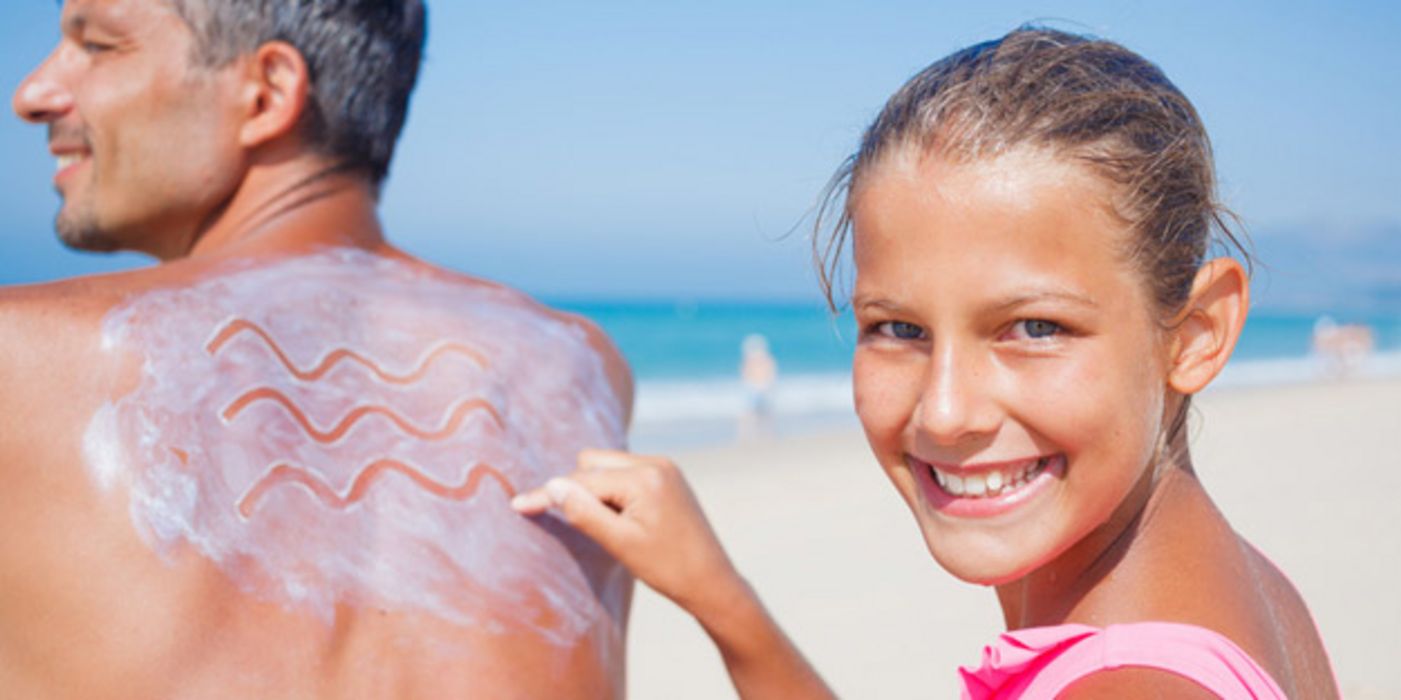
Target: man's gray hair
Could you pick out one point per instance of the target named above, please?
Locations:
(363, 57)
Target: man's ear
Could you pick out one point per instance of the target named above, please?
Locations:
(1206, 330)
(276, 88)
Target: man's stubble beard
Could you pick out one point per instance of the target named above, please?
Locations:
(81, 231)
(76, 224)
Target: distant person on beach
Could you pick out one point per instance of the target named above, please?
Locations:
(758, 370)
(279, 462)
(1342, 348)
(1030, 219)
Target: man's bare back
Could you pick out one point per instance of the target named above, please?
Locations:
(278, 463)
(289, 477)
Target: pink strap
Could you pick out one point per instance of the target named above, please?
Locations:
(1195, 653)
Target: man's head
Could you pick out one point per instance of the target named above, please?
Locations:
(157, 109)
(363, 57)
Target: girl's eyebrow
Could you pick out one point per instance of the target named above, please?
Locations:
(1033, 296)
(866, 302)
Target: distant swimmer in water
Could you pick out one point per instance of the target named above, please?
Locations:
(758, 371)
(1342, 348)
(279, 462)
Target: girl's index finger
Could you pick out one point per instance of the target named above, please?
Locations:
(609, 483)
(532, 502)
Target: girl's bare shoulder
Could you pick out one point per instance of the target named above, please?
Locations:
(1295, 629)
(1200, 571)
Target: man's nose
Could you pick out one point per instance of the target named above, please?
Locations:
(43, 96)
(958, 400)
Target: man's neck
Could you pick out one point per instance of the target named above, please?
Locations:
(290, 207)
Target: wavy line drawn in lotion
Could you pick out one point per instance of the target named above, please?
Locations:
(341, 428)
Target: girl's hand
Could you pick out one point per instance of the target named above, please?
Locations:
(641, 511)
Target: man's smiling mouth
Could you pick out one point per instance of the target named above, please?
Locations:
(69, 159)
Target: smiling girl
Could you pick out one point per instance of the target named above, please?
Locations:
(1030, 220)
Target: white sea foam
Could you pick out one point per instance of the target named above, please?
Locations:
(793, 395)
(1311, 368)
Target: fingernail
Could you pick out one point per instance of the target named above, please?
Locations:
(530, 501)
(558, 489)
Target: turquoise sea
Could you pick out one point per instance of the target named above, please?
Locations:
(685, 356)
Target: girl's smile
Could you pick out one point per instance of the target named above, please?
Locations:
(1010, 372)
(984, 490)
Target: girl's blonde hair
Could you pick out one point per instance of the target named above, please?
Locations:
(1087, 99)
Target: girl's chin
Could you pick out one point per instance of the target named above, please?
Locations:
(980, 566)
(983, 576)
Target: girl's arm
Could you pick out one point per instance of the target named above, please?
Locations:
(642, 512)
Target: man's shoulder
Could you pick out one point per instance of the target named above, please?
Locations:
(32, 313)
(29, 313)
(51, 341)
(619, 374)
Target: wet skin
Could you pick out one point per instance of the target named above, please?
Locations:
(1000, 324)
(205, 171)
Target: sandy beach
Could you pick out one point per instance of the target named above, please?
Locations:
(1303, 471)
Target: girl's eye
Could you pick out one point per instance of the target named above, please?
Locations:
(899, 330)
(1036, 329)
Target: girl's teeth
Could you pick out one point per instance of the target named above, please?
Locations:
(995, 482)
(954, 485)
(975, 485)
(988, 484)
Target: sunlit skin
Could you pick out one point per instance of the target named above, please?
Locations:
(999, 322)
(207, 170)
(143, 134)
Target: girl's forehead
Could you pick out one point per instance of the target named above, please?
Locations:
(1023, 190)
(977, 220)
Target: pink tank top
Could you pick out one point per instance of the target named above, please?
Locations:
(1041, 662)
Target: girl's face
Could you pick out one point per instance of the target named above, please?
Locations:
(1010, 372)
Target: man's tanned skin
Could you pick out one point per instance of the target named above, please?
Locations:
(210, 170)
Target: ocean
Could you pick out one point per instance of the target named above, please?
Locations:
(685, 356)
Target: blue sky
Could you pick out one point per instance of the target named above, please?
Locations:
(606, 149)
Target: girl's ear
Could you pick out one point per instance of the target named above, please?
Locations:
(1206, 330)
(276, 85)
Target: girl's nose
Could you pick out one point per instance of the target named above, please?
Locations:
(43, 97)
(957, 402)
